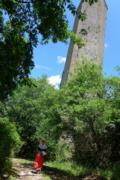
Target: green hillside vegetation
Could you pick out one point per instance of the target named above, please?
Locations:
(80, 122)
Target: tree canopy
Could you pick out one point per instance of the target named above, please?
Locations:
(34, 111)
(80, 121)
(90, 116)
(21, 23)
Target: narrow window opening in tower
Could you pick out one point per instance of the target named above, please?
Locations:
(83, 32)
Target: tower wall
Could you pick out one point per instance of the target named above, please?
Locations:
(92, 30)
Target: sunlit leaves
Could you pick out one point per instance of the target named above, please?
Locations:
(21, 23)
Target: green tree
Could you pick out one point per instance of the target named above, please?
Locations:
(87, 113)
(113, 97)
(34, 110)
(9, 142)
(21, 22)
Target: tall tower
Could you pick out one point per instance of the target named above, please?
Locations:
(92, 30)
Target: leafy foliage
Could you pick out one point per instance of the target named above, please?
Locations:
(90, 116)
(10, 141)
(21, 22)
(15, 60)
(34, 110)
(80, 121)
(113, 97)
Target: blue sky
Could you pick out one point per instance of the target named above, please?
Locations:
(49, 59)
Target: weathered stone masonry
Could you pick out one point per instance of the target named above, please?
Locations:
(93, 30)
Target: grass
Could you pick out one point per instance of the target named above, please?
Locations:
(107, 173)
(22, 161)
(46, 177)
(69, 168)
(75, 170)
(12, 178)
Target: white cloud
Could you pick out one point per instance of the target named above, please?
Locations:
(38, 66)
(61, 59)
(55, 80)
(106, 45)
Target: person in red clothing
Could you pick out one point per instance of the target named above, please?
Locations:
(39, 158)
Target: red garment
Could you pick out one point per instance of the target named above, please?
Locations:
(38, 163)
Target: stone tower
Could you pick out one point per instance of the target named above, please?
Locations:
(92, 30)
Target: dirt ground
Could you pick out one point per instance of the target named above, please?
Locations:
(25, 172)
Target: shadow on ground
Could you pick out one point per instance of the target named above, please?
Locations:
(57, 174)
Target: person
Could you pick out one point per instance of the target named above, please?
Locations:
(40, 155)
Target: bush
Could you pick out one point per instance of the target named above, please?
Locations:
(90, 117)
(9, 143)
(116, 172)
(34, 111)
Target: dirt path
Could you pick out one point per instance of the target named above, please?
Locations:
(23, 171)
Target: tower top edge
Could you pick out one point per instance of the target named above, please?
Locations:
(106, 5)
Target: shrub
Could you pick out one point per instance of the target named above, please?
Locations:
(34, 111)
(90, 117)
(9, 143)
(116, 171)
